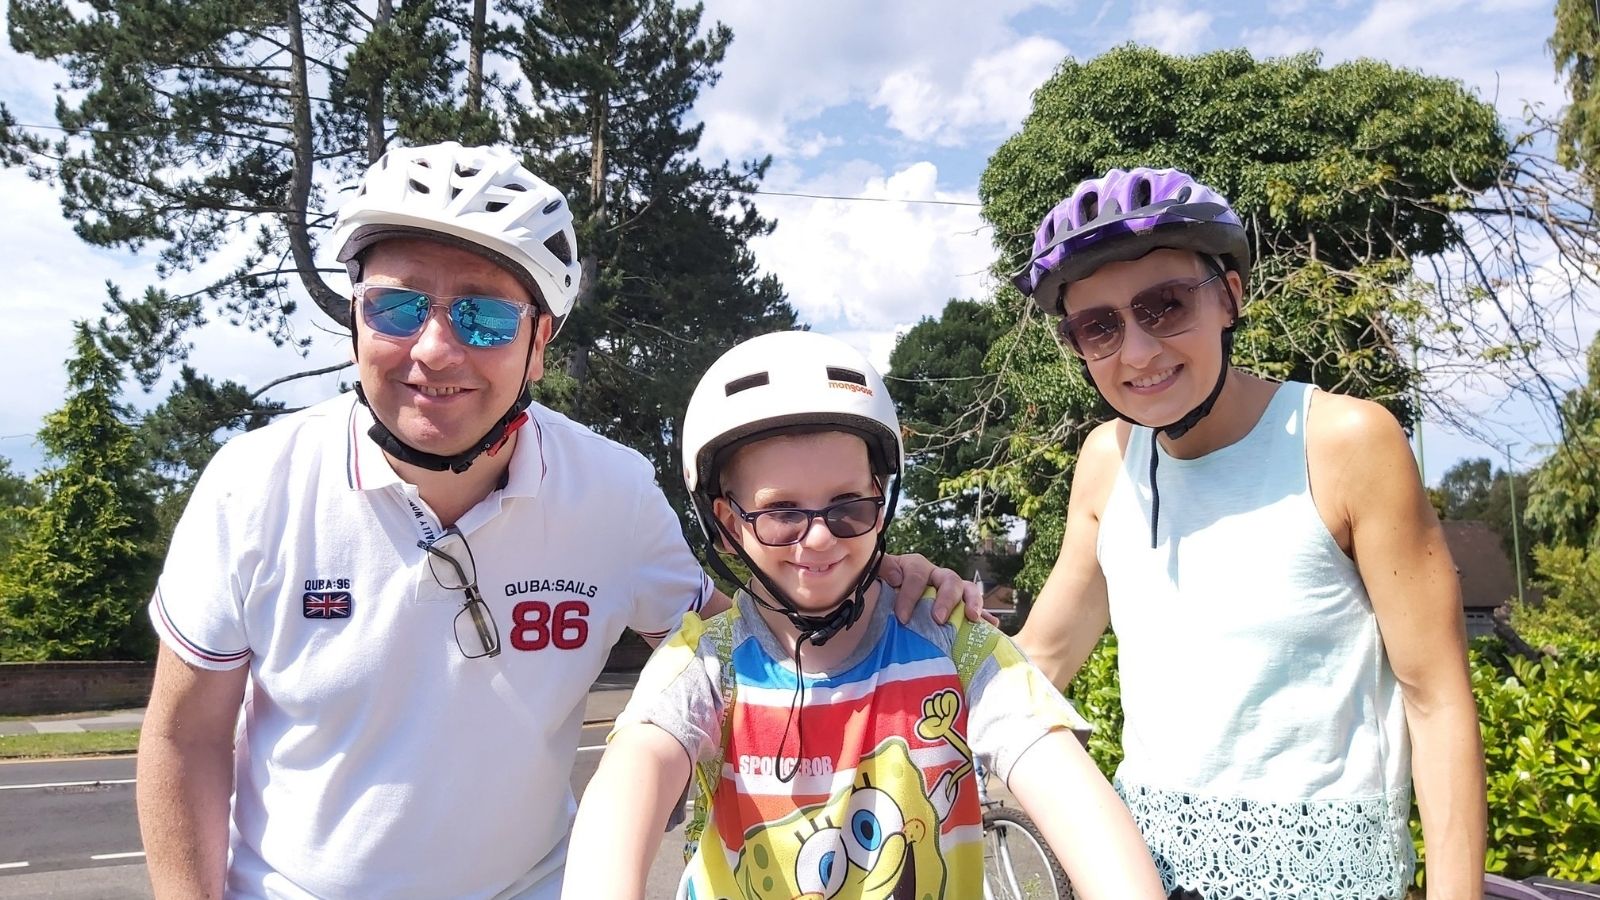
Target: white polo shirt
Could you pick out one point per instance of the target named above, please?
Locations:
(375, 759)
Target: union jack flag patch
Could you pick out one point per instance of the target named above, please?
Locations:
(327, 605)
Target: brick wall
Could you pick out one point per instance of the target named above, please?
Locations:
(57, 687)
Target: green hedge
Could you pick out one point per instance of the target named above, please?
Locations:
(1541, 735)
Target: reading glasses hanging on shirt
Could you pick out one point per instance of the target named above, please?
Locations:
(454, 570)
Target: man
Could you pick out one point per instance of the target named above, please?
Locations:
(1290, 638)
(408, 591)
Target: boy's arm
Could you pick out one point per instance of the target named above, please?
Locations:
(1083, 820)
(624, 812)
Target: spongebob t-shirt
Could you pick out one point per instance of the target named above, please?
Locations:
(883, 801)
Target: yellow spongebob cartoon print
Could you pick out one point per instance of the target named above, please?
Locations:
(875, 840)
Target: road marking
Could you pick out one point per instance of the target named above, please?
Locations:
(63, 784)
(134, 854)
(21, 865)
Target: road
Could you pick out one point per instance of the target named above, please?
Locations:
(68, 829)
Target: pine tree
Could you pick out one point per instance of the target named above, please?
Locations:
(670, 282)
(78, 579)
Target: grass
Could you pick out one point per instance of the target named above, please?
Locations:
(87, 743)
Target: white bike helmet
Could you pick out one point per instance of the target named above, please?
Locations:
(481, 199)
(789, 382)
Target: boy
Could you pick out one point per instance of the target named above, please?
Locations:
(848, 740)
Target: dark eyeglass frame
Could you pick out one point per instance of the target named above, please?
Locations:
(1068, 328)
(482, 619)
(830, 514)
(461, 311)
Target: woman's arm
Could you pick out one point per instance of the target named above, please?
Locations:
(1399, 549)
(624, 812)
(1083, 820)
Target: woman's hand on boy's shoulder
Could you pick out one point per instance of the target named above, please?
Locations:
(913, 575)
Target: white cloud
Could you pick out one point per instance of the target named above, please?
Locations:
(994, 94)
(790, 62)
(54, 280)
(1484, 43)
(875, 266)
(1171, 27)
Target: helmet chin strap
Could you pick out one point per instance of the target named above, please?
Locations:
(815, 629)
(1182, 426)
(489, 443)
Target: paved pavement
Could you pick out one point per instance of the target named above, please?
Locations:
(68, 829)
(606, 699)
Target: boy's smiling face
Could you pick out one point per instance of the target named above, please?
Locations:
(805, 471)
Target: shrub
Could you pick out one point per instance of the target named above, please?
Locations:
(1541, 736)
(1541, 740)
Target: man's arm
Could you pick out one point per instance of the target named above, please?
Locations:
(1400, 552)
(1083, 820)
(185, 776)
(624, 812)
(1072, 610)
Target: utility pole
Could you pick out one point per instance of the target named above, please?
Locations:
(1516, 524)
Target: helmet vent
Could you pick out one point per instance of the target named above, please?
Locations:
(515, 186)
(418, 186)
(550, 207)
(557, 244)
(759, 379)
(494, 206)
(1183, 195)
(423, 163)
(1141, 194)
(1089, 207)
(465, 172)
(850, 375)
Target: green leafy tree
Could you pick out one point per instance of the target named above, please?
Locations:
(951, 416)
(669, 280)
(1473, 490)
(1564, 494)
(79, 577)
(1343, 176)
(1575, 44)
(17, 496)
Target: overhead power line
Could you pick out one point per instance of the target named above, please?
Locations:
(801, 194)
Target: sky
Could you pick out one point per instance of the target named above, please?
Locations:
(878, 102)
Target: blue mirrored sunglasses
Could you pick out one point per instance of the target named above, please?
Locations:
(477, 321)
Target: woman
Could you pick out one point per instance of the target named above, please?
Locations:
(1291, 646)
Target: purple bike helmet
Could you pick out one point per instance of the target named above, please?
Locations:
(1123, 216)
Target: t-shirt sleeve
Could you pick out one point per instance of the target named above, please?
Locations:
(198, 606)
(669, 581)
(1012, 705)
(679, 691)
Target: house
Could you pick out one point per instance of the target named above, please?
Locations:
(1488, 578)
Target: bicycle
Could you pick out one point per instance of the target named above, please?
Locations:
(1017, 863)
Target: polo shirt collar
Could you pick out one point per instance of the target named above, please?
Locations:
(367, 469)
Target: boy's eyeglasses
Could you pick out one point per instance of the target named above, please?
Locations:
(785, 526)
(476, 633)
(1162, 311)
(478, 321)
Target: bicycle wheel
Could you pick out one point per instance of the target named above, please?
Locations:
(1017, 864)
